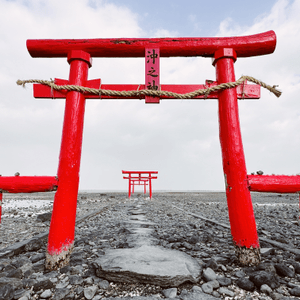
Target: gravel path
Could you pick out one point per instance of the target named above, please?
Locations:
(22, 275)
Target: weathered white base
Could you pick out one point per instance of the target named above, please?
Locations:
(247, 256)
(56, 261)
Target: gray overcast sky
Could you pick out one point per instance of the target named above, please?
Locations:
(177, 138)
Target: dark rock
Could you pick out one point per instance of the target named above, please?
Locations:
(239, 274)
(76, 259)
(263, 277)
(284, 271)
(37, 257)
(268, 267)
(75, 279)
(43, 284)
(103, 284)
(19, 293)
(51, 274)
(6, 292)
(3, 274)
(16, 283)
(39, 266)
(245, 284)
(196, 296)
(65, 270)
(21, 261)
(34, 245)
(9, 268)
(70, 296)
(295, 291)
(28, 273)
(61, 294)
(15, 273)
(212, 264)
(194, 239)
(297, 257)
(187, 245)
(28, 283)
(79, 291)
(44, 217)
(296, 266)
(224, 281)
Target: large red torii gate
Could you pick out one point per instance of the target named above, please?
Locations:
(224, 52)
(139, 178)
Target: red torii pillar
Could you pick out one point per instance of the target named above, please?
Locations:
(140, 176)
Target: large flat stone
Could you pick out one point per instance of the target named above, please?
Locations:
(148, 264)
(137, 212)
(138, 217)
(138, 223)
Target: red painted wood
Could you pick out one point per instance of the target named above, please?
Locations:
(152, 73)
(138, 178)
(1, 195)
(139, 172)
(274, 183)
(246, 91)
(245, 46)
(28, 184)
(129, 189)
(62, 227)
(242, 220)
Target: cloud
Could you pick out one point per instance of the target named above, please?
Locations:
(271, 126)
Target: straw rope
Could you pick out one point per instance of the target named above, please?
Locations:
(153, 93)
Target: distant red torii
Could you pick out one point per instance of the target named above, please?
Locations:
(139, 179)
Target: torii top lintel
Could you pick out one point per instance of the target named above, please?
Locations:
(244, 46)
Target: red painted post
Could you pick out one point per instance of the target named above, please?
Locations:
(144, 187)
(62, 227)
(129, 188)
(132, 187)
(150, 187)
(1, 195)
(241, 215)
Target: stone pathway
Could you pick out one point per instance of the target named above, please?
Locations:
(145, 262)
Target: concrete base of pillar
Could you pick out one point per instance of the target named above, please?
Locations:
(248, 256)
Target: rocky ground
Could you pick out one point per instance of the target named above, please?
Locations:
(22, 273)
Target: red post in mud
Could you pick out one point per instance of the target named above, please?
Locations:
(1, 195)
(241, 215)
(62, 227)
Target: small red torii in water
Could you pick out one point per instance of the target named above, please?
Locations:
(139, 178)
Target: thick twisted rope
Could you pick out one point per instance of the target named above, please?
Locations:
(153, 93)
